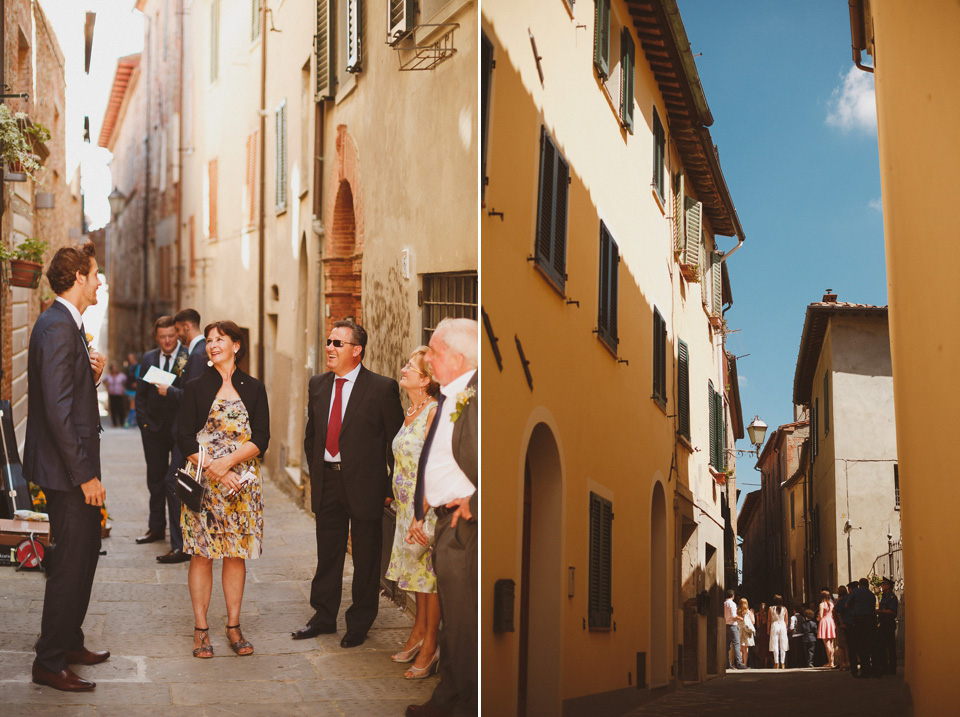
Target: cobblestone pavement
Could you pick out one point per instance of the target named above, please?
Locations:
(818, 692)
(140, 611)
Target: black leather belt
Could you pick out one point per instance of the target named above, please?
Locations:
(334, 466)
(443, 511)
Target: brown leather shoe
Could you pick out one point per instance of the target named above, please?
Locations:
(152, 536)
(427, 709)
(83, 656)
(64, 680)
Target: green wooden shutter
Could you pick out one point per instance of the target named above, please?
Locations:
(609, 270)
(600, 595)
(354, 32)
(713, 423)
(659, 358)
(627, 70)
(552, 211)
(683, 390)
(659, 154)
(281, 157)
(716, 281)
(601, 37)
(721, 434)
(694, 237)
(400, 19)
(679, 214)
(324, 44)
(254, 19)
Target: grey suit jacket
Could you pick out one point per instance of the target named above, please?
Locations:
(62, 447)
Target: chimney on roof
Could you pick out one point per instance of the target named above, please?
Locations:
(829, 297)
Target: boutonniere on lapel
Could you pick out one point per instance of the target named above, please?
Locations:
(179, 364)
(89, 338)
(463, 398)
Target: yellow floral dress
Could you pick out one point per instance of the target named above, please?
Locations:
(227, 527)
(412, 574)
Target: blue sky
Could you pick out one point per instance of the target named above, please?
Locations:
(795, 126)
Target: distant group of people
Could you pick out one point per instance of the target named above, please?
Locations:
(857, 632)
(212, 420)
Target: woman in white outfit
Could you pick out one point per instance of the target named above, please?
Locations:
(747, 628)
(779, 640)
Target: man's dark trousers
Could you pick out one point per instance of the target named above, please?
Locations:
(157, 447)
(865, 632)
(886, 660)
(75, 527)
(173, 502)
(333, 521)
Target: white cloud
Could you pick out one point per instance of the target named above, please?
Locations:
(742, 380)
(876, 204)
(852, 104)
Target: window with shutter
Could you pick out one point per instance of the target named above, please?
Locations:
(551, 240)
(354, 32)
(659, 151)
(609, 275)
(601, 563)
(486, 75)
(601, 37)
(718, 429)
(324, 46)
(679, 213)
(683, 390)
(255, 8)
(659, 359)
(400, 19)
(281, 165)
(694, 235)
(712, 404)
(896, 486)
(214, 40)
(716, 284)
(627, 69)
(826, 403)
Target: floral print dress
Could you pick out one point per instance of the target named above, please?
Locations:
(227, 527)
(412, 574)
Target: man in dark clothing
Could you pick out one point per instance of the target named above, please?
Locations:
(887, 629)
(862, 608)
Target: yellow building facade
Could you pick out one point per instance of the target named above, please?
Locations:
(916, 56)
(610, 403)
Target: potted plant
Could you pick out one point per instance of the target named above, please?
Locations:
(25, 262)
(18, 139)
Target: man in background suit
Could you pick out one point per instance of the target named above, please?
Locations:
(447, 480)
(62, 456)
(352, 416)
(155, 415)
(187, 322)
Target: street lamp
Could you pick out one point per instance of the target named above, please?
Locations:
(757, 430)
(116, 199)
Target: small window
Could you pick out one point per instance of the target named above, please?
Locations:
(659, 151)
(609, 276)
(627, 70)
(601, 38)
(400, 19)
(896, 486)
(551, 239)
(451, 295)
(354, 29)
(659, 359)
(718, 429)
(683, 390)
(601, 563)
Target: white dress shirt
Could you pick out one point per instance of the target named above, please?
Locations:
(730, 611)
(445, 481)
(345, 392)
(74, 312)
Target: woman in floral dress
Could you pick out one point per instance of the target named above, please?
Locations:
(225, 411)
(412, 571)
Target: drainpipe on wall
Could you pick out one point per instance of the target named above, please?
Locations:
(858, 34)
(261, 229)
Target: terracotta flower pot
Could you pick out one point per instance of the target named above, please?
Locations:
(25, 273)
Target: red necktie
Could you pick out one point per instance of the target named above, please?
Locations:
(336, 417)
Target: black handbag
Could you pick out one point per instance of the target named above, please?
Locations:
(191, 491)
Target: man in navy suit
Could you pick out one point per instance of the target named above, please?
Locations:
(62, 456)
(187, 322)
(155, 416)
(352, 416)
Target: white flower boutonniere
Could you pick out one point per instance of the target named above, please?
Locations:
(463, 398)
(179, 365)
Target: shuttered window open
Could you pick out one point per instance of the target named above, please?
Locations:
(716, 284)
(609, 276)
(354, 32)
(281, 164)
(659, 153)
(659, 359)
(694, 235)
(601, 563)
(712, 404)
(683, 390)
(679, 213)
(551, 239)
(324, 45)
(601, 37)
(718, 429)
(400, 19)
(255, 8)
(627, 70)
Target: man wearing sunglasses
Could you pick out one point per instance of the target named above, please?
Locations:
(352, 416)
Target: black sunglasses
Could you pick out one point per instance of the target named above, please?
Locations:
(339, 344)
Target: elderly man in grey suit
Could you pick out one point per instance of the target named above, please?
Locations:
(62, 456)
(447, 480)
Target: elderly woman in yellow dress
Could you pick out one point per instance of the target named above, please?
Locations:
(225, 411)
(410, 565)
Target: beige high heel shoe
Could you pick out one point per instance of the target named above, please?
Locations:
(419, 673)
(408, 655)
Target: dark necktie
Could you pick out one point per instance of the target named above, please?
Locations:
(336, 418)
(422, 464)
(166, 362)
(83, 335)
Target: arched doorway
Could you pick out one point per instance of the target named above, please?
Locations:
(659, 618)
(342, 263)
(541, 578)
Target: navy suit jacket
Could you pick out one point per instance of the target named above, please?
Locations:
(62, 447)
(371, 420)
(156, 413)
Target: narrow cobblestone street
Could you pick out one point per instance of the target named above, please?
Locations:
(140, 611)
(785, 693)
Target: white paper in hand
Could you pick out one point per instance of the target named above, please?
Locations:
(158, 376)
